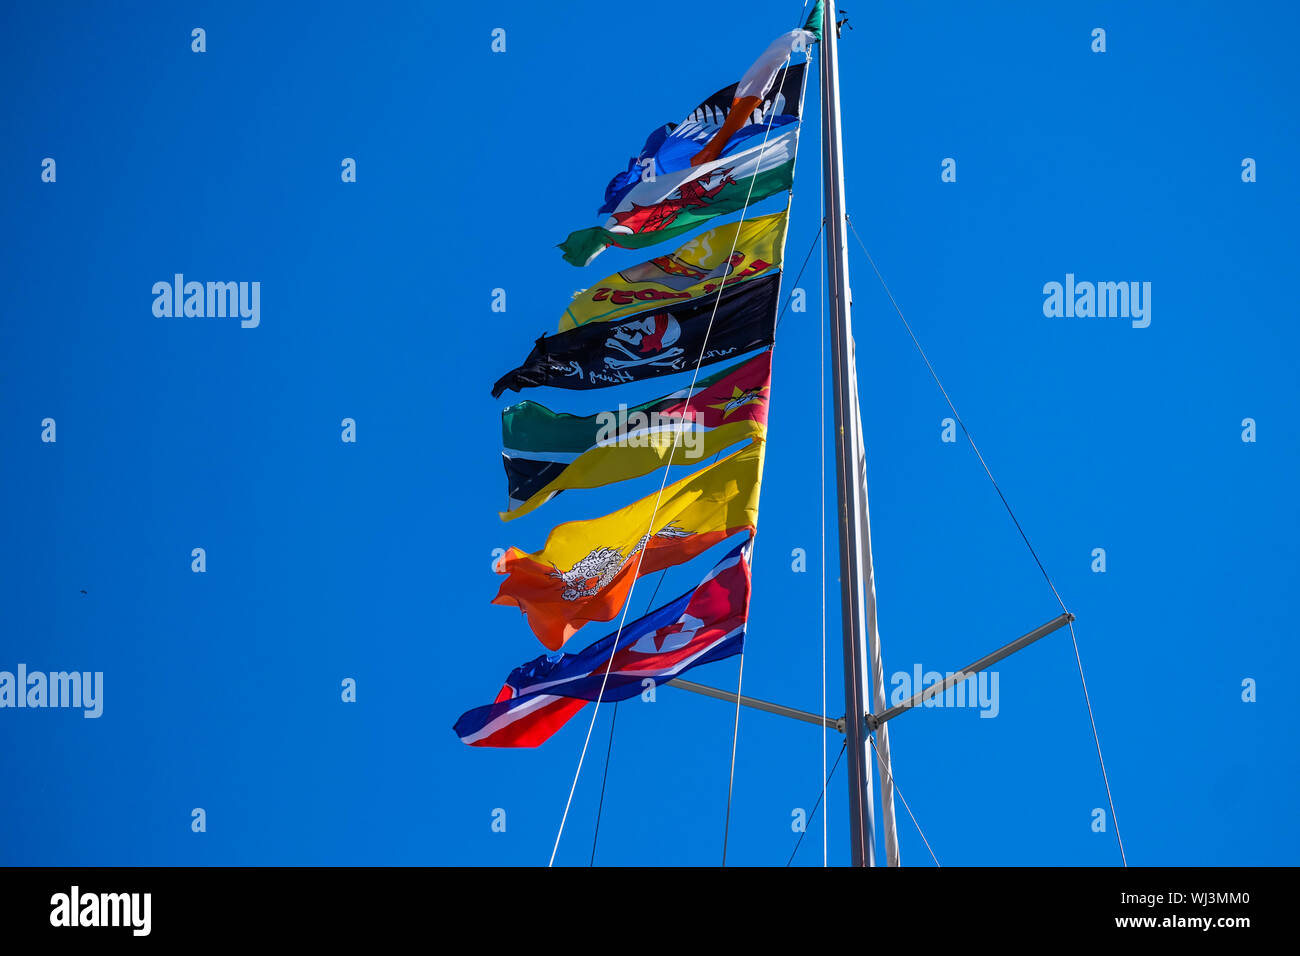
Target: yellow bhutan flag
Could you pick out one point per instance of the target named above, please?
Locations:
(586, 569)
(695, 269)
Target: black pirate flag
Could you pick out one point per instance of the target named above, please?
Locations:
(653, 343)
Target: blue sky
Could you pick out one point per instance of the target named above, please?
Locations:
(372, 560)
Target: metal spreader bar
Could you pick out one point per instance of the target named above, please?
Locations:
(1056, 623)
(874, 721)
(756, 704)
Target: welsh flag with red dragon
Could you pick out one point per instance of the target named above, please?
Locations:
(736, 147)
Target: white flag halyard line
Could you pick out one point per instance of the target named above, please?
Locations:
(740, 675)
(654, 512)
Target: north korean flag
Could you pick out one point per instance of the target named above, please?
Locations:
(705, 624)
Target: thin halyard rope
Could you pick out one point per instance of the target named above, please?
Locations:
(820, 799)
(821, 431)
(1105, 776)
(604, 777)
(795, 284)
(690, 393)
(740, 675)
(731, 780)
(610, 749)
(893, 782)
(821, 487)
(956, 415)
(1097, 739)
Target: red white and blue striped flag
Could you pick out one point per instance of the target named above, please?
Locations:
(703, 625)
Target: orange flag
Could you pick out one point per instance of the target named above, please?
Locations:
(586, 569)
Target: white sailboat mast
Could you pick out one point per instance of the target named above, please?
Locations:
(857, 581)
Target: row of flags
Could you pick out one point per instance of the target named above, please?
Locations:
(711, 302)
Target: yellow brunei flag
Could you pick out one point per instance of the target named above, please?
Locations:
(586, 569)
(723, 256)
